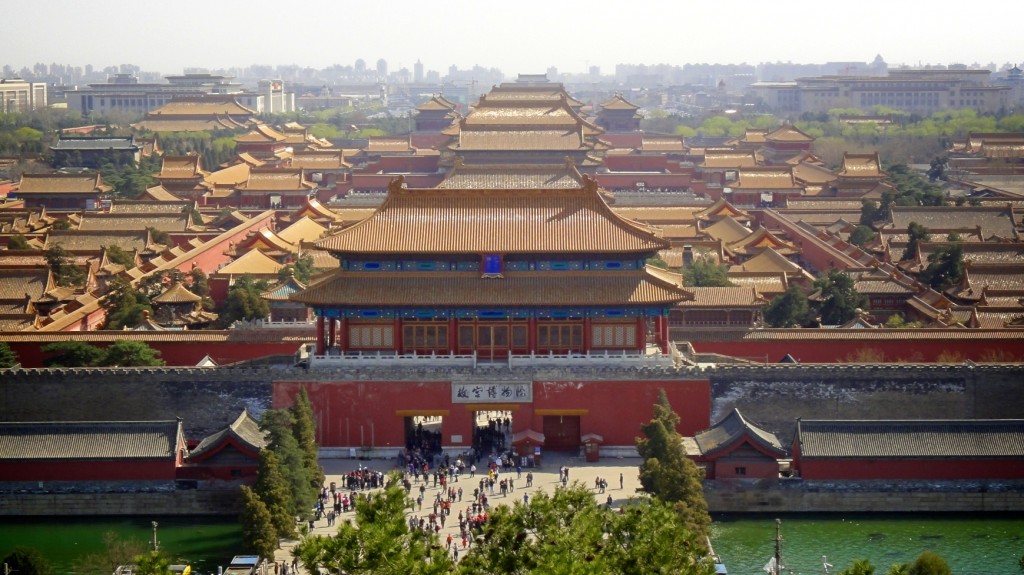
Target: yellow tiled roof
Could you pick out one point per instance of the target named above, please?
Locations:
(180, 167)
(276, 179)
(728, 159)
(252, 262)
(334, 160)
(230, 177)
(635, 287)
(304, 229)
(767, 178)
(861, 166)
(723, 297)
(514, 139)
(493, 221)
(61, 184)
(496, 177)
(728, 230)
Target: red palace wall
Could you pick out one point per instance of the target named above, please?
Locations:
(934, 469)
(881, 349)
(371, 413)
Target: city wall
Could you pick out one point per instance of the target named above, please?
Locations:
(773, 396)
(190, 502)
(798, 496)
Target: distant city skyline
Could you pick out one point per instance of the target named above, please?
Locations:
(528, 36)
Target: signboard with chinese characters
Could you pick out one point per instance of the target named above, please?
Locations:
(488, 392)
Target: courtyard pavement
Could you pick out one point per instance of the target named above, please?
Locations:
(545, 478)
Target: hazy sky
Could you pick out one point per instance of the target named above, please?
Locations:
(518, 36)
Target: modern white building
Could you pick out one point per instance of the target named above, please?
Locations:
(17, 95)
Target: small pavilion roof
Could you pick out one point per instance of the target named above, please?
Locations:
(303, 229)
(245, 430)
(252, 262)
(728, 230)
(177, 293)
(731, 429)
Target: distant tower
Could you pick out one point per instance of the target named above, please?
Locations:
(382, 69)
(418, 72)
(553, 74)
(360, 66)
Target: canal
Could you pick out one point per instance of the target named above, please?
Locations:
(203, 542)
(971, 544)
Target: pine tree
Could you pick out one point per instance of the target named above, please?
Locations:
(666, 472)
(305, 434)
(787, 310)
(278, 424)
(7, 356)
(258, 533)
(272, 489)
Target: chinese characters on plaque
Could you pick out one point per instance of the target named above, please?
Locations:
(521, 392)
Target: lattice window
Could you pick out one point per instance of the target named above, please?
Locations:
(371, 336)
(617, 335)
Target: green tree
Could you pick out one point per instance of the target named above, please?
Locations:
(27, 561)
(128, 353)
(18, 242)
(568, 532)
(159, 236)
(244, 302)
(119, 255)
(838, 301)
(7, 356)
(65, 272)
(304, 429)
(788, 310)
(859, 567)
(153, 563)
(917, 234)
(378, 542)
(869, 212)
(897, 321)
(945, 266)
(126, 306)
(929, 563)
(277, 423)
(272, 489)
(302, 268)
(861, 235)
(116, 552)
(258, 533)
(666, 472)
(72, 354)
(201, 287)
(704, 272)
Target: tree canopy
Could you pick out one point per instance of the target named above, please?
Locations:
(8, 358)
(917, 234)
(244, 302)
(838, 300)
(703, 272)
(65, 272)
(258, 533)
(788, 310)
(569, 532)
(27, 561)
(131, 353)
(126, 306)
(72, 354)
(945, 266)
(378, 542)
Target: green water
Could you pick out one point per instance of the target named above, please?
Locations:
(971, 544)
(204, 543)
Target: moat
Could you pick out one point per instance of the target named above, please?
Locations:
(972, 544)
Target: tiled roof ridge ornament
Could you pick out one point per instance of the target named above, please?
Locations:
(396, 184)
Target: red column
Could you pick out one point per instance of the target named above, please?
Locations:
(664, 334)
(398, 335)
(641, 334)
(319, 335)
(588, 335)
(453, 335)
(531, 336)
(342, 335)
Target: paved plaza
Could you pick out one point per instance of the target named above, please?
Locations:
(545, 478)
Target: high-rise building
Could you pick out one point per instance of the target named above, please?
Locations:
(418, 72)
(382, 69)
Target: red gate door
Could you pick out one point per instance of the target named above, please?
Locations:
(561, 432)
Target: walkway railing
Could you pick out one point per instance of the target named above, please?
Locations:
(379, 358)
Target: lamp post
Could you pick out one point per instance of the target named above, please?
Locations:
(156, 544)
